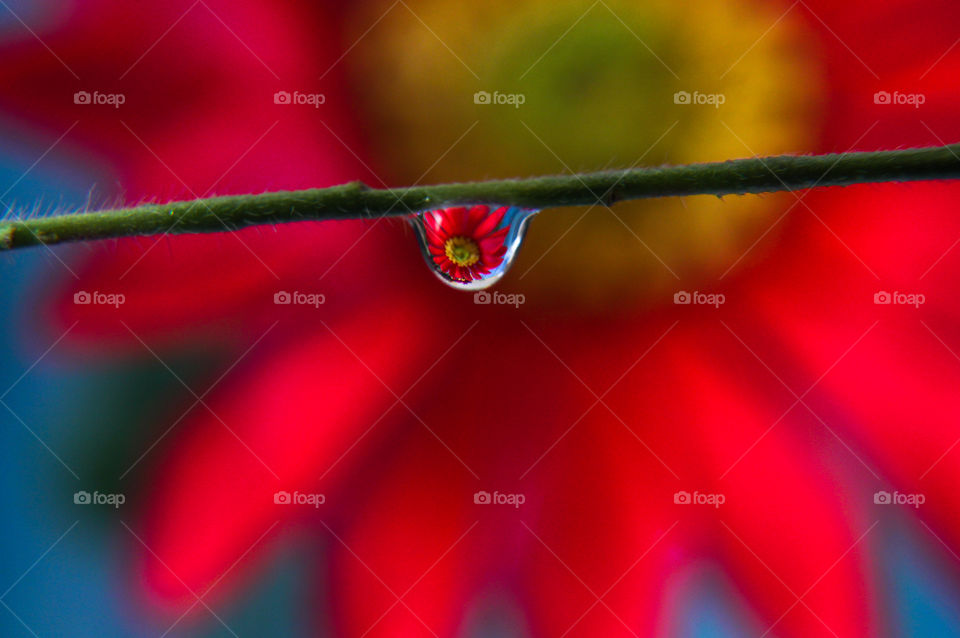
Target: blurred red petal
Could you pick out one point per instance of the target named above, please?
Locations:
(907, 420)
(605, 530)
(292, 408)
(783, 495)
(411, 532)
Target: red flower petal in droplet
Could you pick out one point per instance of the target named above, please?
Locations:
(466, 244)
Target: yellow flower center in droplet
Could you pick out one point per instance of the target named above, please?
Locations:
(462, 251)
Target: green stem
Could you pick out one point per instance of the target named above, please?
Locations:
(356, 200)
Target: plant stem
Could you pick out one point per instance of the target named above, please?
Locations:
(356, 200)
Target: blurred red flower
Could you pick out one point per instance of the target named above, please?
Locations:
(399, 406)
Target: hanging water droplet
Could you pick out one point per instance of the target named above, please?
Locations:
(471, 247)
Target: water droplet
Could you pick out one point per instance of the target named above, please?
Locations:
(471, 247)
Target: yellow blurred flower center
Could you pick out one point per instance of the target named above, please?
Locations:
(498, 88)
(462, 251)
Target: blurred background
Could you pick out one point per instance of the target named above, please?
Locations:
(184, 457)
